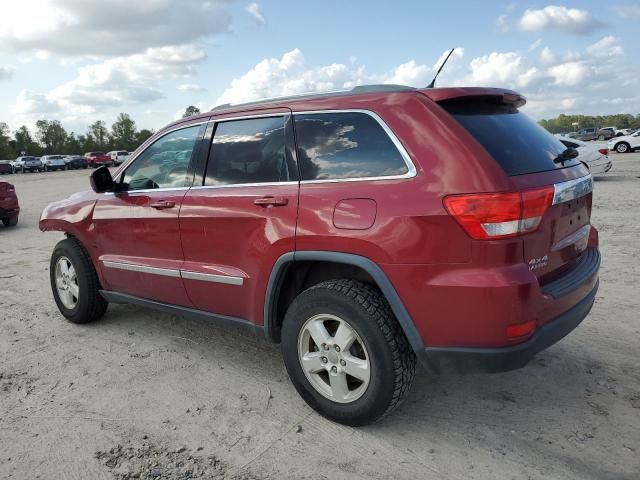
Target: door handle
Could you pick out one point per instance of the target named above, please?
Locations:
(162, 204)
(271, 201)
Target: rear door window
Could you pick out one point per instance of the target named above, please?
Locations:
(516, 142)
(252, 150)
(345, 145)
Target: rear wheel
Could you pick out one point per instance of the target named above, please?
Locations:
(74, 283)
(622, 147)
(10, 221)
(345, 352)
(600, 137)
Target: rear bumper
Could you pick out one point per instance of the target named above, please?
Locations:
(494, 360)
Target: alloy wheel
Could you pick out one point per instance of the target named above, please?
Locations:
(67, 283)
(334, 358)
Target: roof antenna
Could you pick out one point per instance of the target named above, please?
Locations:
(433, 82)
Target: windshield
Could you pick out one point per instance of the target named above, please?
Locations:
(516, 142)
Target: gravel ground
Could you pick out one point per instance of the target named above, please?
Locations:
(157, 396)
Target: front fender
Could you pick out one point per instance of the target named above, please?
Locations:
(72, 215)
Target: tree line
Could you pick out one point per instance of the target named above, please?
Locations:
(50, 138)
(570, 123)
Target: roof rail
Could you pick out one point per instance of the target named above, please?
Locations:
(385, 87)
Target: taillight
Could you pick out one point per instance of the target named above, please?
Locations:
(500, 215)
(604, 151)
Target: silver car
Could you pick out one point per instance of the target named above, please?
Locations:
(53, 162)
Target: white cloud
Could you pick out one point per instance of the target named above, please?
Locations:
(107, 27)
(606, 47)
(547, 57)
(502, 22)
(500, 69)
(535, 45)
(6, 72)
(628, 11)
(115, 82)
(569, 73)
(559, 18)
(411, 73)
(290, 75)
(191, 87)
(253, 9)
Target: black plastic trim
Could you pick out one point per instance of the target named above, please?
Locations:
(277, 274)
(494, 360)
(117, 297)
(586, 266)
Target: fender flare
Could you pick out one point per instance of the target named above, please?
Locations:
(384, 284)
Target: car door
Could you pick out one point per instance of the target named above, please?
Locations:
(137, 228)
(242, 217)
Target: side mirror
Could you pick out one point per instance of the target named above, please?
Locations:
(101, 180)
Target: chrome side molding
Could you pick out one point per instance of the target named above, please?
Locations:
(175, 273)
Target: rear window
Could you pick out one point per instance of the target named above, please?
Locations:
(516, 142)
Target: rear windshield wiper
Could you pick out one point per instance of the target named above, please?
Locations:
(567, 154)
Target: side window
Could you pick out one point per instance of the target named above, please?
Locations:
(165, 163)
(249, 151)
(345, 145)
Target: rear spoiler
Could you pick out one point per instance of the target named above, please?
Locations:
(499, 95)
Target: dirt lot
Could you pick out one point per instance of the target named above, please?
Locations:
(146, 393)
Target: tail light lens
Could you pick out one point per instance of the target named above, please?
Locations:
(604, 151)
(488, 216)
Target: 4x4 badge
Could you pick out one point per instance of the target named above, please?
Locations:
(536, 263)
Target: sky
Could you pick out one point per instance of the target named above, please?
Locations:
(78, 61)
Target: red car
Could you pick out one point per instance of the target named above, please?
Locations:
(363, 230)
(96, 159)
(9, 208)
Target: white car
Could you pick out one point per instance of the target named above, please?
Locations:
(53, 162)
(118, 156)
(594, 155)
(625, 144)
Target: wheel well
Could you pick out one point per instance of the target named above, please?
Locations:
(301, 275)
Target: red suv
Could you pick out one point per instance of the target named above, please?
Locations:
(9, 208)
(363, 230)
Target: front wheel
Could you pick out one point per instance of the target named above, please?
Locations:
(600, 137)
(622, 147)
(74, 282)
(345, 352)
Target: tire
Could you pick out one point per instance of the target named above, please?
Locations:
(601, 137)
(378, 342)
(622, 147)
(10, 221)
(89, 304)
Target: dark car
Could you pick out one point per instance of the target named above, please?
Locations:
(594, 133)
(76, 163)
(364, 230)
(9, 208)
(6, 167)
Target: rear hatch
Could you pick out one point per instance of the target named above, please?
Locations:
(556, 190)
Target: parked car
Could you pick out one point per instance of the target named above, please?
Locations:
(594, 155)
(95, 159)
(76, 163)
(364, 231)
(594, 133)
(625, 144)
(6, 167)
(30, 164)
(118, 157)
(620, 132)
(53, 162)
(9, 207)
